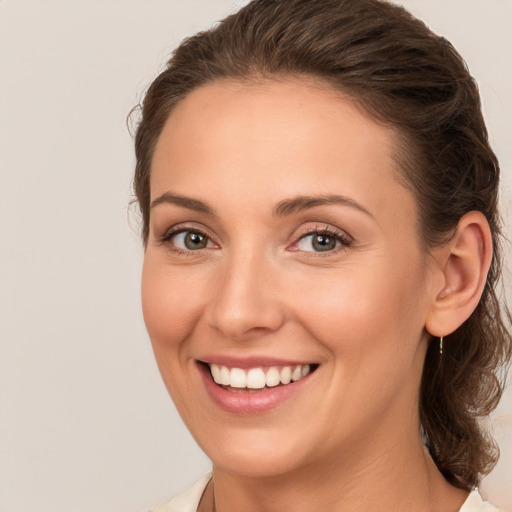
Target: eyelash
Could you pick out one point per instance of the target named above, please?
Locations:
(166, 239)
(341, 237)
(330, 232)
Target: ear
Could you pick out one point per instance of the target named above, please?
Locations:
(461, 266)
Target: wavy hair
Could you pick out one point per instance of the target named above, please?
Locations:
(407, 77)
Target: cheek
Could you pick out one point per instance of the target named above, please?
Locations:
(360, 309)
(170, 308)
(169, 304)
(371, 323)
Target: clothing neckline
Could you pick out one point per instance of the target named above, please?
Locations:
(189, 500)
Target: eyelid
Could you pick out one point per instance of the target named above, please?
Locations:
(322, 228)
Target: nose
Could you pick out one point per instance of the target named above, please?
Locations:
(245, 303)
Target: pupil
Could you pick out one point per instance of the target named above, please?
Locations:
(324, 243)
(195, 241)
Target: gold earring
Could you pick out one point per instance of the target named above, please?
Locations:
(441, 345)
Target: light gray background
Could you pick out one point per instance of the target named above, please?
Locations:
(85, 423)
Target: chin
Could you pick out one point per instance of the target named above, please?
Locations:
(255, 454)
(253, 465)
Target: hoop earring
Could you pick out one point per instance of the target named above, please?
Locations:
(441, 345)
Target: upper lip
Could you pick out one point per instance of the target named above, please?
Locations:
(250, 361)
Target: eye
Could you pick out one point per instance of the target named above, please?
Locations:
(187, 240)
(322, 241)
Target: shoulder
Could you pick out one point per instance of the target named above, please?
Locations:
(188, 500)
(475, 503)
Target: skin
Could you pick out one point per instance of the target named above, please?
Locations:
(361, 311)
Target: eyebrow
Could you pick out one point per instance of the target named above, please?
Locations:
(183, 201)
(282, 209)
(301, 203)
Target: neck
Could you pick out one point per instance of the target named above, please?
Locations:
(400, 476)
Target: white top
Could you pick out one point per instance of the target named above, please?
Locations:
(188, 500)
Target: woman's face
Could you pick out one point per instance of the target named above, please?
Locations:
(282, 241)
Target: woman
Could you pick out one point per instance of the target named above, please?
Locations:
(319, 205)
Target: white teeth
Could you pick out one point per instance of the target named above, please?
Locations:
(297, 373)
(225, 376)
(272, 378)
(215, 372)
(256, 378)
(238, 378)
(286, 375)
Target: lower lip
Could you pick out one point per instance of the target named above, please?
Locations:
(245, 402)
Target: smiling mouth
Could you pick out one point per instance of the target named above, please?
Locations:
(258, 379)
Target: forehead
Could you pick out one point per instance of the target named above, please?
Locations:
(289, 108)
(271, 139)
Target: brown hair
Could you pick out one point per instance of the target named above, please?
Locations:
(407, 77)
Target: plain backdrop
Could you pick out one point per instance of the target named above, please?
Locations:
(85, 423)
